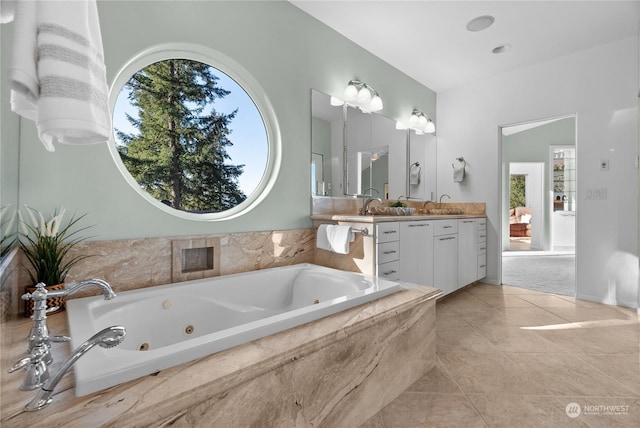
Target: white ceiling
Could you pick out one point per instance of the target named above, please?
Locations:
(428, 40)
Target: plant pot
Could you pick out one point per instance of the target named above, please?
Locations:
(54, 305)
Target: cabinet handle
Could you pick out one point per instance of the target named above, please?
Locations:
(390, 252)
(447, 238)
(483, 236)
(467, 221)
(387, 232)
(483, 248)
(447, 227)
(482, 266)
(418, 225)
(388, 272)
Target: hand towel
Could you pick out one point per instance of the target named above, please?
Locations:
(333, 238)
(7, 10)
(414, 174)
(458, 171)
(57, 74)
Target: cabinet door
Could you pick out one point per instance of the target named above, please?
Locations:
(445, 262)
(416, 252)
(467, 251)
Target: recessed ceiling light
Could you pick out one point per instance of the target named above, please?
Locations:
(480, 23)
(500, 49)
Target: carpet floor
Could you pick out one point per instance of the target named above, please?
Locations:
(540, 270)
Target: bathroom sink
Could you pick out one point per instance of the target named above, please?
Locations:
(400, 211)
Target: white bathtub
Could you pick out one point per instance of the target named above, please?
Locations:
(175, 323)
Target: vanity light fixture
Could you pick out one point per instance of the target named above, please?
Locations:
(421, 123)
(361, 95)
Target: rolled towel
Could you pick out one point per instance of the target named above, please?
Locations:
(414, 174)
(458, 172)
(333, 238)
(57, 73)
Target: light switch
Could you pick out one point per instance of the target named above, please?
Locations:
(604, 165)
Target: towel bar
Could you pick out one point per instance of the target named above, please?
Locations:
(363, 230)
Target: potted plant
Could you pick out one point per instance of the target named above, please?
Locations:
(46, 245)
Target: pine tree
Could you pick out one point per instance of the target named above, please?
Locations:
(178, 154)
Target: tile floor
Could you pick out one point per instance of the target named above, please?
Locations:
(511, 357)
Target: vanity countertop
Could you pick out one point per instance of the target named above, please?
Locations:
(387, 218)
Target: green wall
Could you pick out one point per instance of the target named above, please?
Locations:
(286, 51)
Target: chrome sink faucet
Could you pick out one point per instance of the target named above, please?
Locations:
(443, 195)
(107, 338)
(39, 359)
(365, 203)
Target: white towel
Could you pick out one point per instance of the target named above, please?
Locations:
(414, 174)
(334, 238)
(7, 10)
(458, 172)
(57, 74)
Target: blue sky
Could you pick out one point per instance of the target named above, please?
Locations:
(248, 134)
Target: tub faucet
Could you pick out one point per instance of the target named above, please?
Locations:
(39, 342)
(107, 338)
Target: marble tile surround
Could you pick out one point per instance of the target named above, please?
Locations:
(137, 263)
(337, 371)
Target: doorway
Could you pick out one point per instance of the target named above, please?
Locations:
(538, 200)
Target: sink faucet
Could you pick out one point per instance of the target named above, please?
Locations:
(443, 195)
(107, 338)
(365, 204)
(39, 342)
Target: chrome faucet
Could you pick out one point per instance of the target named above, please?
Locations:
(107, 338)
(365, 204)
(39, 342)
(443, 195)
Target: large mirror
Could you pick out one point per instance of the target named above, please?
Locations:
(395, 162)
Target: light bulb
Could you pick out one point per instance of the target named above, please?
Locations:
(335, 101)
(422, 122)
(351, 92)
(413, 120)
(376, 103)
(430, 128)
(364, 95)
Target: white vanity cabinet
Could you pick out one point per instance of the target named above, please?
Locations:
(388, 250)
(467, 251)
(482, 248)
(445, 255)
(416, 250)
(472, 250)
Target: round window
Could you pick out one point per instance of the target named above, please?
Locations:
(191, 137)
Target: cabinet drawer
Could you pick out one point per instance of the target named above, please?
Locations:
(388, 252)
(482, 235)
(389, 270)
(482, 248)
(482, 266)
(386, 232)
(445, 227)
(482, 223)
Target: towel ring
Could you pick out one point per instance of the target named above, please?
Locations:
(460, 159)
